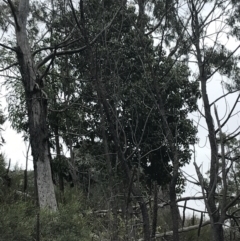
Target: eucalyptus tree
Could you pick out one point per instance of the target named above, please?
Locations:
(15, 14)
(31, 57)
(211, 57)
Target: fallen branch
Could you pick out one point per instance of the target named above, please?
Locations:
(181, 230)
(24, 194)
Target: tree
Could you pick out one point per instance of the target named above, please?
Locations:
(36, 102)
(209, 61)
(108, 76)
(33, 74)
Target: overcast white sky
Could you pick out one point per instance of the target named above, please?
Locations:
(14, 148)
(202, 148)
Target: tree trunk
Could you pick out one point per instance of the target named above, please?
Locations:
(211, 204)
(217, 228)
(58, 152)
(214, 214)
(37, 111)
(174, 210)
(155, 210)
(175, 163)
(135, 190)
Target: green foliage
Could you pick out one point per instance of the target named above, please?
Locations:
(17, 106)
(67, 224)
(19, 214)
(205, 234)
(75, 219)
(2, 165)
(219, 58)
(131, 68)
(18, 221)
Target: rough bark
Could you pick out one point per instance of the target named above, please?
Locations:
(37, 110)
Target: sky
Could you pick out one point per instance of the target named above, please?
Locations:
(215, 89)
(202, 148)
(14, 148)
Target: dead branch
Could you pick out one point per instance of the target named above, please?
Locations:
(229, 115)
(181, 230)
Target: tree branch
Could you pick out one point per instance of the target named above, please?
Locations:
(74, 51)
(181, 230)
(13, 10)
(8, 67)
(7, 47)
(223, 96)
(229, 115)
